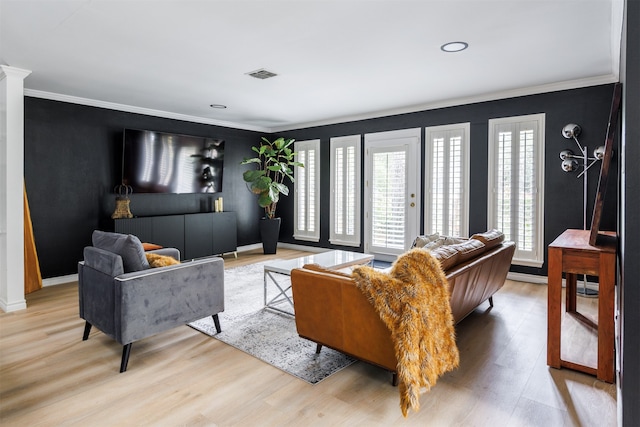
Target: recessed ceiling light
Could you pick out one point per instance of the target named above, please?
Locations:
(454, 46)
(220, 106)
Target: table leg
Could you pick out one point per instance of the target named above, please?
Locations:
(554, 303)
(571, 291)
(606, 320)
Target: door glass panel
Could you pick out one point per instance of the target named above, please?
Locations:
(388, 199)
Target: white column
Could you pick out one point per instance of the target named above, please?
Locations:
(11, 187)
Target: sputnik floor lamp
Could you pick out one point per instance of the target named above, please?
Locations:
(570, 164)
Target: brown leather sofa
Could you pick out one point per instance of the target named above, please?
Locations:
(331, 311)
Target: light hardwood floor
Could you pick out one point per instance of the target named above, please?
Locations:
(50, 377)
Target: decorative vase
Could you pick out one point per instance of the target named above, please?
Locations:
(269, 233)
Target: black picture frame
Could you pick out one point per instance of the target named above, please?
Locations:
(595, 234)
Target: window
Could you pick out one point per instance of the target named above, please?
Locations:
(307, 191)
(516, 184)
(345, 190)
(447, 180)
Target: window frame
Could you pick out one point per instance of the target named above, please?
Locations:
(344, 239)
(298, 233)
(534, 257)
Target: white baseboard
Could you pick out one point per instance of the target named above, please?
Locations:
(247, 248)
(543, 280)
(59, 280)
(529, 278)
(302, 247)
(13, 306)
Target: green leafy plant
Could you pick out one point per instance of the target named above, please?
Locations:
(274, 162)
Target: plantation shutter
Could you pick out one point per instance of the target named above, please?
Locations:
(515, 189)
(345, 191)
(388, 198)
(447, 179)
(307, 191)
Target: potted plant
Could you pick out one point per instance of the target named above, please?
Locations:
(274, 163)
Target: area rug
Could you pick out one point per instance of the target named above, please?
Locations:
(267, 335)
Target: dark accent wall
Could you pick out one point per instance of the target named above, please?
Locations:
(73, 163)
(629, 288)
(588, 107)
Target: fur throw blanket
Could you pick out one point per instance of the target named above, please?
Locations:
(413, 301)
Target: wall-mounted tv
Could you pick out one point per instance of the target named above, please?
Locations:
(156, 162)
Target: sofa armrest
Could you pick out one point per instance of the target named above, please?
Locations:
(157, 299)
(172, 252)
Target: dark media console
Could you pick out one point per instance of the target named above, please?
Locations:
(195, 235)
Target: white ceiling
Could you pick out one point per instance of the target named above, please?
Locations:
(336, 60)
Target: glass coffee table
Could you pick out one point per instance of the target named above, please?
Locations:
(333, 260)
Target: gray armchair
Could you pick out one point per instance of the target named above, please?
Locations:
(121, 296)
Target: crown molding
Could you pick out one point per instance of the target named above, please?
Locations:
(139, 110)
(512, 93)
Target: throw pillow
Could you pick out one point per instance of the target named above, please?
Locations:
(156, 260)
(150, 246)
(127, 246)
(490, 238)
(421, 241)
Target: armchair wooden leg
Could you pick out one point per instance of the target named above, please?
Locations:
(87, 329)
(318, 348)
(491, 301)
(394, 379)
(126, 350)
(216, 322)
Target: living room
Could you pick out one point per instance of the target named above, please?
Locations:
(71, 165)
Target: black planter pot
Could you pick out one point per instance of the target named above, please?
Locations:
(269, 233)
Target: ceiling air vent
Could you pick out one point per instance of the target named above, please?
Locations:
(262, 74)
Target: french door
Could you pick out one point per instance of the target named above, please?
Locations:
(392, 192)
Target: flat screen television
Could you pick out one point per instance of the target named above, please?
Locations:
(156, 162)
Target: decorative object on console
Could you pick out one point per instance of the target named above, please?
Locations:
(274, 163)
(217, 205)
(595, 236)
(122, 202)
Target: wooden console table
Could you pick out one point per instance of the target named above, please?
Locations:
(571, 253)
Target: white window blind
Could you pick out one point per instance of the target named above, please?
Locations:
(516, 184)
(447, 180)
(345, 190)
(307, 191)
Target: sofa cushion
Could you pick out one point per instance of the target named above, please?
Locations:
(490, 238)
(451, 240)
(469, 249)
(446, 255)
(127, 246)
(156, 260)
